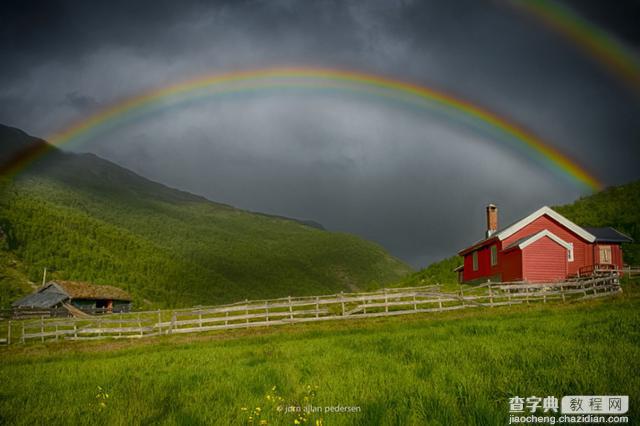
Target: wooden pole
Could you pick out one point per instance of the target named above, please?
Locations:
(415, 305)
(139, 325)
(386, 301)
(44, 276)
(22, 337)
(173, 322)
(159, 322)
(290, 308)
(266, 308)
(246, 311)
(342, 301)
(490, 295)
(317, 306)
(9, 332)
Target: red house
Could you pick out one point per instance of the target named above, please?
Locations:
(542, 247)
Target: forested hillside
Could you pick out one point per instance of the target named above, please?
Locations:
(85, 218)
(618, 207)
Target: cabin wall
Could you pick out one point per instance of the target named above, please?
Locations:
(582, 250)
(84, 303)
(543, 261)
(512, 265)
(485, 270)
(616, 254)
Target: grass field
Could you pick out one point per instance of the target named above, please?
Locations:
(449, 368)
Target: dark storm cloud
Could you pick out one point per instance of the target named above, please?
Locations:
(411, 181)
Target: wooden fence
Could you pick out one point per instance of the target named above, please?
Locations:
(265, 313)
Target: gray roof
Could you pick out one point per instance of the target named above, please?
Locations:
(45, 299)
(609, 235)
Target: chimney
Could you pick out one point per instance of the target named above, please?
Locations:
(492, 219)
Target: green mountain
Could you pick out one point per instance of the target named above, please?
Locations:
(617, 206)
(85, 218)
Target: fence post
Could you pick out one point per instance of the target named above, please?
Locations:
(490, 295)
(159, 322)
(266, 308)
(246, 311)
(317, 307)
(173, 322)
(9, 333)
(342, 301)
(226, 318)
(415, 305)
(290, 308)
(22, 337)
(75, 330)
(139, 325)
(200, 319)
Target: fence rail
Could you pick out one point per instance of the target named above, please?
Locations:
(289, 310)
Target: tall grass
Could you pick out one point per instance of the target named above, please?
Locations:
(450, 368)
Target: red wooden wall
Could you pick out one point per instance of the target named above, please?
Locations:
(544, 261)
(485, 270)
(582, 250)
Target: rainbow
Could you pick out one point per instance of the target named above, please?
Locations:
(295, 79)
(604, 49)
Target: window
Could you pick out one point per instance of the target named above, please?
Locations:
(570, 253)
(475, 260)
(605, 254)
(494, 255)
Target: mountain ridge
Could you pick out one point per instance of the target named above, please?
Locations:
(86, 218)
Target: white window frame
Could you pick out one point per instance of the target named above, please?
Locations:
(570, 253)
(608, 249)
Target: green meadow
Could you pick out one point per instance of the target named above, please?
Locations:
(449, 368)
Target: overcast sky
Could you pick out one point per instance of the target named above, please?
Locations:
(410, 180)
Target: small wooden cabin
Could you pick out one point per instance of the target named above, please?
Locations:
(68, 295)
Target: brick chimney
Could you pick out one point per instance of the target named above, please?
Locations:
(492, 219)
